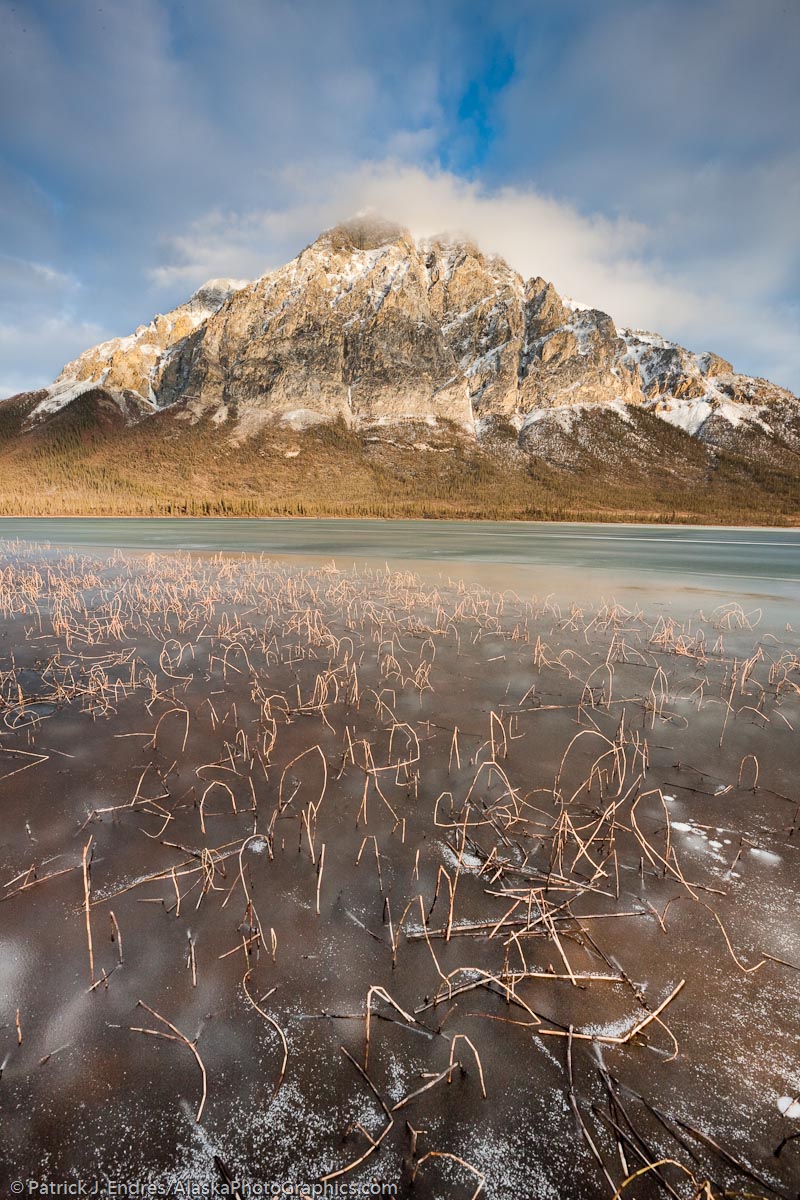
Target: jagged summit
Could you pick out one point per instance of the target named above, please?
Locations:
(213, 294)
(367, 230)
(370, 326)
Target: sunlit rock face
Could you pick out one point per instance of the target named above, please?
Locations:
(135, 363)
(373, 327)
(347, 329)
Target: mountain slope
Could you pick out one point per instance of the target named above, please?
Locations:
(432, 367)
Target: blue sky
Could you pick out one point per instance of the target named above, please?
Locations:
(642, 154)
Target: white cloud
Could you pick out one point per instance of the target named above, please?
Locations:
(38, 329)
(613, 264)
(47, 341)
(25, 283)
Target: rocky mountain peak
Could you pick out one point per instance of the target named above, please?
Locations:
(546, 310)
(365, 231)
(369, 326)
(213, 294)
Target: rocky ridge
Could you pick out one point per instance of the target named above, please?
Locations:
(369, 326)
(128, 369)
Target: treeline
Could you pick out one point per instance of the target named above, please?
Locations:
(90, 464)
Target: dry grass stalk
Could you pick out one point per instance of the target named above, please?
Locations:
(320, 866)
(446, 1074)
(85, 860)
(275, 1026)
(377, 990)
(190, 1046)
(455, 1158)
(463, 1037)
(374, 1144)
(116, 935)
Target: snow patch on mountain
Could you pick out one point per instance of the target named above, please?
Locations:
(575, 305)
(209, 298)
(63, 393)
(59, 395)
(565, 416)
(303, 418)
(692, 415)
(688, 415)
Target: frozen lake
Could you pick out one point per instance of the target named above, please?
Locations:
(721, 557)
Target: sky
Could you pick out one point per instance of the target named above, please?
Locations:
(643, 155)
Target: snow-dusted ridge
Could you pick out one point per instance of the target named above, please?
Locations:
(61, 394)
(710, 382)
(131, 364)
(368, 326)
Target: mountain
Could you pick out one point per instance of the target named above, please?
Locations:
(398, 350)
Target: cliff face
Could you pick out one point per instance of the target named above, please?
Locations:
(362, 325)
(372, 327)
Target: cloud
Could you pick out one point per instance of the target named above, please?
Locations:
(148, 107)
(33, 352)
(39, 329)
(681, 114)
(612, 263)
(25, 285)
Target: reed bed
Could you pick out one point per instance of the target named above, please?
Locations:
(466, 799)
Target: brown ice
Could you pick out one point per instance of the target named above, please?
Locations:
(549, 847)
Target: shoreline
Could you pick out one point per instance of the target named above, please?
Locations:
(575, 559)
(789, 527)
